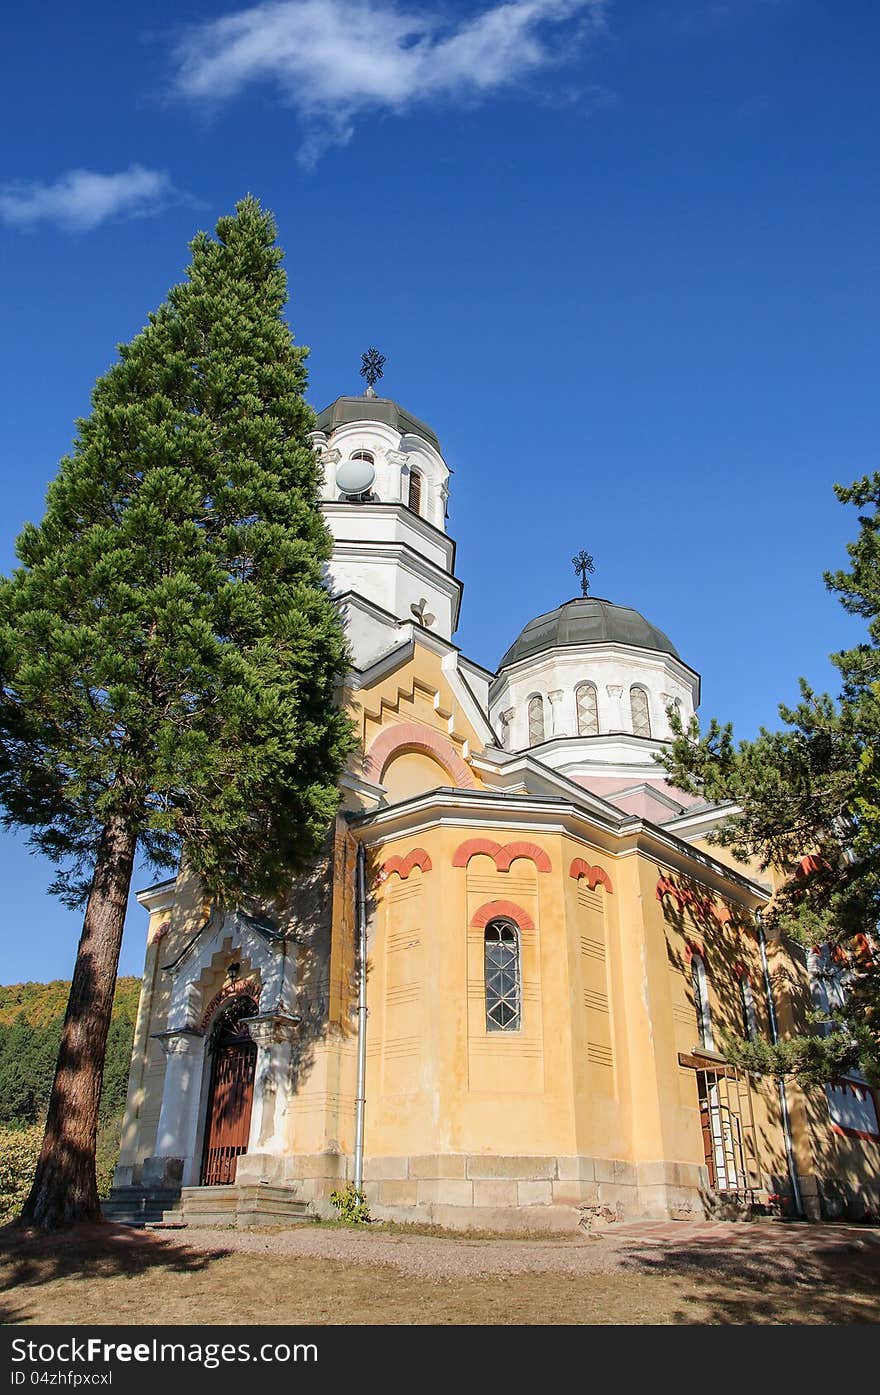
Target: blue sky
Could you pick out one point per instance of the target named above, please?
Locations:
(621, 256)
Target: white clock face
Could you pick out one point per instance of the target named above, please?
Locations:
(355, 476)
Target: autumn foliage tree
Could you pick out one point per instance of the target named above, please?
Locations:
(806, 801)
(169, 651)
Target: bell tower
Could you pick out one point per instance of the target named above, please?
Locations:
(384, 493)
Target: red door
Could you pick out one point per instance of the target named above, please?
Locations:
(230, 1100)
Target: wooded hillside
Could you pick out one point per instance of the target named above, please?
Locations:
(31, 1015)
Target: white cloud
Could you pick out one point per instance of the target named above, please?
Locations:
(80, 199)
(335, 60)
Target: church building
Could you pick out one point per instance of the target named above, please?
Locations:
(501, 999)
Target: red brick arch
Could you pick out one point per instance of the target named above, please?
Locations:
(492, 910)
(502, 856)
(412, 736)
(595, 876)
(417, 857)
(242, 987)
(701, 907)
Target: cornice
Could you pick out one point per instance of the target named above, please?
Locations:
(445, 807)
(158, 897)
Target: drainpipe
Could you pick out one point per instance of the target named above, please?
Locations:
(780, 1081)
(360, 1098)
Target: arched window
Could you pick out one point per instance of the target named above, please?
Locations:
(701, 1002)
(536, 721)
(827, 986)
(747, 1005)
(501, 959)
(415, 491)
(638, 701)
(587, 710)
(355, 495)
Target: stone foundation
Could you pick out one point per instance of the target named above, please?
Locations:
(480, 1191)
(830, 1199)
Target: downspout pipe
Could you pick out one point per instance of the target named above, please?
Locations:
(783, 1101)
(360, 1097)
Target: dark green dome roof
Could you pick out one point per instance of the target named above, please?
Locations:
(587, 620)
(348, 409)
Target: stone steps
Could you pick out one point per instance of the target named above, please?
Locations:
(211, 1207)
(140, 1206)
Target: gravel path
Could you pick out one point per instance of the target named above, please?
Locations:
(747, 1249)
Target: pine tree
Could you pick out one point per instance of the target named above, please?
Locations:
(19, 1073)
(807, 802)
(169, 652)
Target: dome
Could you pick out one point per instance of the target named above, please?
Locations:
(349, 409)
(587, 620)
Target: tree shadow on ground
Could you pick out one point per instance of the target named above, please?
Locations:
(29, 1258)
(829, 1283)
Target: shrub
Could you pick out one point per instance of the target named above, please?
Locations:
(19, 1151)
(351, 1205)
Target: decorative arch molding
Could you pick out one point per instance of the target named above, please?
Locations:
(160, 932)
(224, 934)
(811, 866)
(702, 907)
(862, 950)
(242, 988)
(595, 876)
(694, 947)
(412, 736)
(417, 857)
(497, 910)
(501, 855)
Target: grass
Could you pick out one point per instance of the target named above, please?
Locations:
(138, 1277)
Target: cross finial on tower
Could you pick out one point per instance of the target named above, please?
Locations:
(583, 567)
(372, 363)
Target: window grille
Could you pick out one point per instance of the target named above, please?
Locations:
(747, 1003)
(536, 721)
(638, 700)
(501, 957)
(587, 710)
(701, 1002)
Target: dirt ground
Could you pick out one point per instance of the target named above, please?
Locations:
(641, 1273)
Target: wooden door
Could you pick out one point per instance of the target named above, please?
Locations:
(228, 1119)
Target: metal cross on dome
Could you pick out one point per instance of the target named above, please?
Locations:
(372, 363)
(583, 567)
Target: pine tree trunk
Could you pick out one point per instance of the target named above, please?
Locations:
(65, 1187)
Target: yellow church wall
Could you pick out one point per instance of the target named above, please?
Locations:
(412, 773)
(730, 947)
(595, 1002)
(418, 694)
(587, 1103)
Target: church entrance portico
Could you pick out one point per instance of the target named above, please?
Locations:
(226, 1078)
(233, 1057)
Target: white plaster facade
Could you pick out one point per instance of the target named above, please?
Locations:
(613, 669)
(390, 563)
